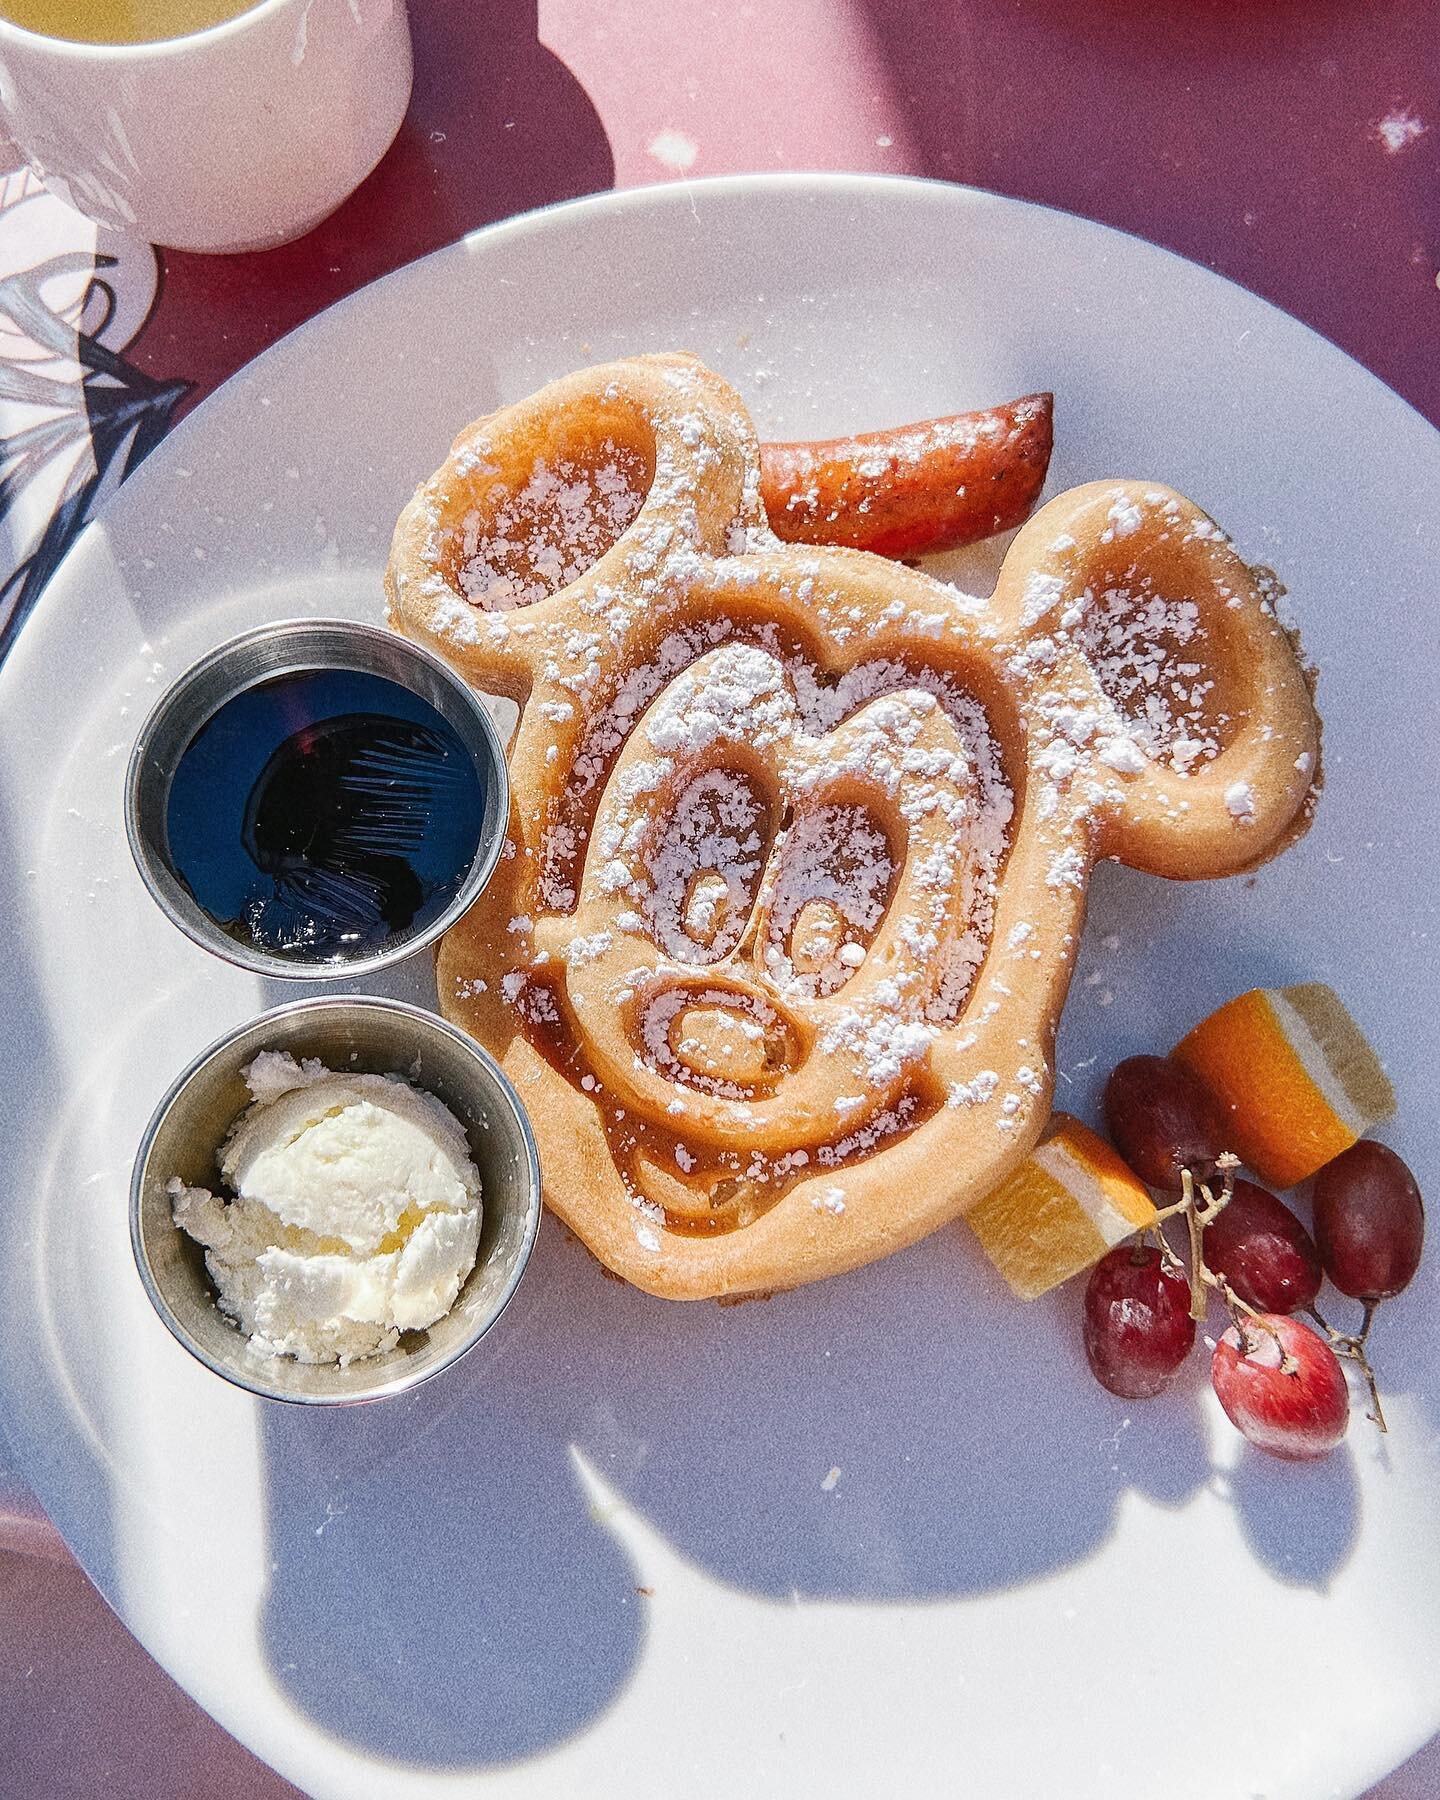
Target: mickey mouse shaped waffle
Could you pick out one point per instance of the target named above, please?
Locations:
(800, 838)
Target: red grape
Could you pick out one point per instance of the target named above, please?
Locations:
(1282, 1386)
(1369, 1221)
(1138, 1328)
(1163, 1119)
(1264, 1252)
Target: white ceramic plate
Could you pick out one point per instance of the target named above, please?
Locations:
(609, 1553)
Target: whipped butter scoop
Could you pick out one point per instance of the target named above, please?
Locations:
(351, 1211)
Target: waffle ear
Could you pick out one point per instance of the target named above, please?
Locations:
(1183, 696)
(558, 505)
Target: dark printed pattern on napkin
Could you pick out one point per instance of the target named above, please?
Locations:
(75, 416)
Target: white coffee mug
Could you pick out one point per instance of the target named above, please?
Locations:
(237, 137)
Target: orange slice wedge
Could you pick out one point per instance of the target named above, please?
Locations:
(1294, 1071)
(1070, 1201)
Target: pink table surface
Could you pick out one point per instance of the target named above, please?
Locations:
(1250, 135)
(1287, 144)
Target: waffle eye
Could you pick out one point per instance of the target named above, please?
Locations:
(704, 864)
(707, 906)
(837, 871)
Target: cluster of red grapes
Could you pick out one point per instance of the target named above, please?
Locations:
(1280, 1382)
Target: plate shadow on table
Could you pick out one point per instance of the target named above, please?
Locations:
(497, 125)
(974, 1454)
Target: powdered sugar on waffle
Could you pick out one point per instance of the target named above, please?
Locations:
(741, 695)
(764, 885)
(835, 871)
(704, 870)
(980, 835)
(1134, 639)
(548, 534)
(659, 1019)
(742, 699)
(1152, 703)
(607, 728)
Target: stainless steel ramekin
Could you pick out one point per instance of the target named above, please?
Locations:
(289, 647)
(366, 1035)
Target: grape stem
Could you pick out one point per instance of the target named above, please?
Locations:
(1214, 1203)
(1198, 1214)
(1201, 1206)
(1248, 1322)
(1198, 1296)
(1169, 1261)
(1353, 1346)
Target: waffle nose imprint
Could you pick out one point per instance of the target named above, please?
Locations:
(724, 1044)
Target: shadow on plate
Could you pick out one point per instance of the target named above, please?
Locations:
(974, 1455)
(1300, 1519)
(35, 1386)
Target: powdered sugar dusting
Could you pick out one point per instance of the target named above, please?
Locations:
(832, 869)
(831, 887)
(548, 534)
(701, 873)
(1135, 640)
(1399, 129)
(765, 873)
